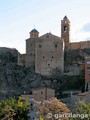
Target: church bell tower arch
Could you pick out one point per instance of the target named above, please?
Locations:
(65, 31)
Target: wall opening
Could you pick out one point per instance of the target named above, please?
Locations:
(40, 46)
(55, 46)
(65, 28)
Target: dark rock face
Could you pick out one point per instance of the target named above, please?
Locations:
(76, 56)
(14, 79)
(8, 55)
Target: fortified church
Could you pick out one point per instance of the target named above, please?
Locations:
(46, 52)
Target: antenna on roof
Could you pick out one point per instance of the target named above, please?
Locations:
(34, 26)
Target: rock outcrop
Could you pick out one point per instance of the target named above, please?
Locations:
(16, 80)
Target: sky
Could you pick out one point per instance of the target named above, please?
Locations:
(19, 17)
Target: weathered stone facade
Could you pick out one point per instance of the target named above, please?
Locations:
(45, 53)
(49, 54)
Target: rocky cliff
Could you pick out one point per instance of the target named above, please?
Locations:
(73, 59)
(16, 80)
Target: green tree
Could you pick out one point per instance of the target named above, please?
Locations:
(19, 107)
(82, 110)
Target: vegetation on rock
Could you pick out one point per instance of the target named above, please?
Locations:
(81, 111)
(12, 108)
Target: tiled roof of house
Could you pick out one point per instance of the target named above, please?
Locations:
(84, 93)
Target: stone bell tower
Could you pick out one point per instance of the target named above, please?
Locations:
(65, 31)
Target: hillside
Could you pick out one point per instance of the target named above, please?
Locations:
(16, 80)
(76, 56)
(73, 60)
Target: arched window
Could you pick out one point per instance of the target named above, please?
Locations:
(34, 35)
(31, 35)
(31, 105)
(65, 28)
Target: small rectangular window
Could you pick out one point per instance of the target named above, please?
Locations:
(48, 64)
(55, 46)
(40, 46)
